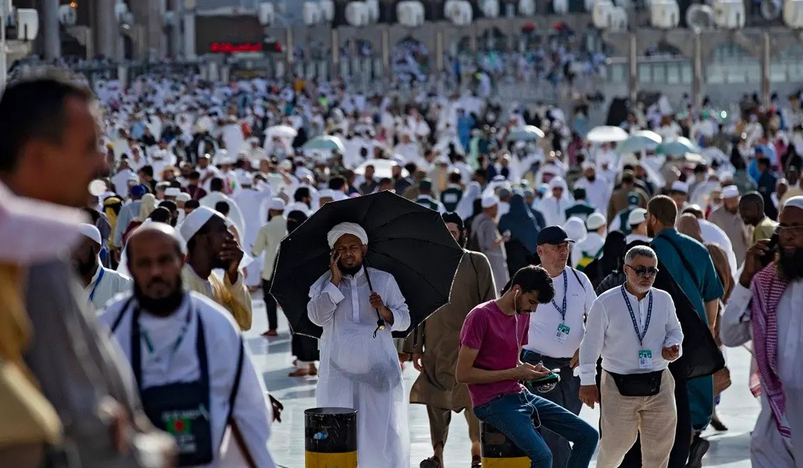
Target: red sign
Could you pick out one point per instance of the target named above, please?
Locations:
(229, 48)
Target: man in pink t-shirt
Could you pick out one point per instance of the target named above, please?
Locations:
(491, 341)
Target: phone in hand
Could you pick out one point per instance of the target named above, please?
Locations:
(768, 257)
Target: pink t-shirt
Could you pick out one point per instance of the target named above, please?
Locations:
(499, 339)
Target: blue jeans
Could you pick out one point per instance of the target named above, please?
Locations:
(514, 415)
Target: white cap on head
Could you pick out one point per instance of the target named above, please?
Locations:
(183, 197)
(678, 186)
(589, 165)
(556, 182)
(246, 179)
(796, 202)
(276, 204)
(725, 175)
(489, 201)
(91, 232)
(637, 216)
(443, 160)
(196, 220)
(730, 191)
(595, 221)
(172, 191)
(342, 229)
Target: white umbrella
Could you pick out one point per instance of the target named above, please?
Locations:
(327, 142)
(382, 168)
(606, 134)
(282, 131)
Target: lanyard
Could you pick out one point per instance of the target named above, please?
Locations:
(642, 334)
(97, 282)
(562, 311)
(174, 348)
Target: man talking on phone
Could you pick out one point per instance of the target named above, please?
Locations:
(359, 363)
(765, 306)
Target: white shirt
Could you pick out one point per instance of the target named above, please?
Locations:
(598, 193)
(545, 320)
(610, 333)
(737, 330)
(252, 411)
(111, 284)
(715, 235)
(592, 245)
(554, 210)
(632, 237)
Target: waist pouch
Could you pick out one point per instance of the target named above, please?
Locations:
(638, 385)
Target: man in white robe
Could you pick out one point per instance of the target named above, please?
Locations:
(169, 322)
(359, 370)
(765, 307)
(554, 207)
(598, 191)
(253, 205)
(216, 195)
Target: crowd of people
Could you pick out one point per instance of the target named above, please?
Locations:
(195, 184)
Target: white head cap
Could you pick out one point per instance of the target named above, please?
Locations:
(342, 229)
(489, 201)
(557, 182)
(172, 192)
(183, 197)
(796, 202)
(91, 232)
(589, 165)
(276, 204)
(678, 186)
(595, 221)
(730, 191)
(637, 216)
(196, 220)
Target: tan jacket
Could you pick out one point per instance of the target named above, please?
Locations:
(234, 297)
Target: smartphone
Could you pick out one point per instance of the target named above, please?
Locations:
(768, 257)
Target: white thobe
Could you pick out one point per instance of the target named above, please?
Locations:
(252, 412)
(235, 214)
(768, 449)
(598, 192)
(359, 371)
(554, 210)
(233, 139)
(715, 235)
(111, 284)
(253, 206)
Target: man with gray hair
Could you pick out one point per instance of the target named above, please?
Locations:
(636, 349)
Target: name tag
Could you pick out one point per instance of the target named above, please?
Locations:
(645, 359)
(562, 334)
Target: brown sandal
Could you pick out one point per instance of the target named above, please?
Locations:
(431, 462)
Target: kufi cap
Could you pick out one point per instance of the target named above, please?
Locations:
(196, 220)
(342, 229)
(276, 204)
(796, 202)
(91, 232)
(595, 221)
(138, 190)
(442, 160)
(730, 191)
(637, 216)
(183, 197)
(172, 192)
(556, 182)
(678, 186)
(489, 201)
(589, 165)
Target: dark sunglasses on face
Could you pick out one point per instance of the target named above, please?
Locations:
(645, 271)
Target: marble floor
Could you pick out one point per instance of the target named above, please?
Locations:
(730, 449)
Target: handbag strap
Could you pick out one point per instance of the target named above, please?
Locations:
(686, 264)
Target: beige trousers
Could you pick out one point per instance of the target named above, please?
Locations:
(439, 425)
(623, 418)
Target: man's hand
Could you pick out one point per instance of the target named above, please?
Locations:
(752, 261)
(589, 395)
(277, 408)
(526, 372)
(337, 276)
(575, 360)
(376, 301)
(417, 362)
(671, 353)
(232, 253)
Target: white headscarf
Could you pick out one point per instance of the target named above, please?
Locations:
(465, 207)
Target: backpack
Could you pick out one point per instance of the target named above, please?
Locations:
(588, 258)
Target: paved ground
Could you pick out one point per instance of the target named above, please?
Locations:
(730, 449)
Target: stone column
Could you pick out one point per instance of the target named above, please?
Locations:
(176, 40)
(105, 29)
(632, 62)
(50, 29)
(766, 52)
(189, 34)
(697, 72)
(335, 53)
(386, 67)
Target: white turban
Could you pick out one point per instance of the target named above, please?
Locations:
(196, 220)
(346, 228)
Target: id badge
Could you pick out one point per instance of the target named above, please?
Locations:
(562, 334)
(645, 359)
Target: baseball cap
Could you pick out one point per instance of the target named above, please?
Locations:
(553, 235)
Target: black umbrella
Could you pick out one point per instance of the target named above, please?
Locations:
(404, 239)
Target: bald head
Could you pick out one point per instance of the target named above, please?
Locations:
(155, 232)
(155, 260)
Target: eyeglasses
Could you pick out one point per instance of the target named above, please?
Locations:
(783, 230)
(645, 272)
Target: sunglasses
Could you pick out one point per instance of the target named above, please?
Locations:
(644, 272)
